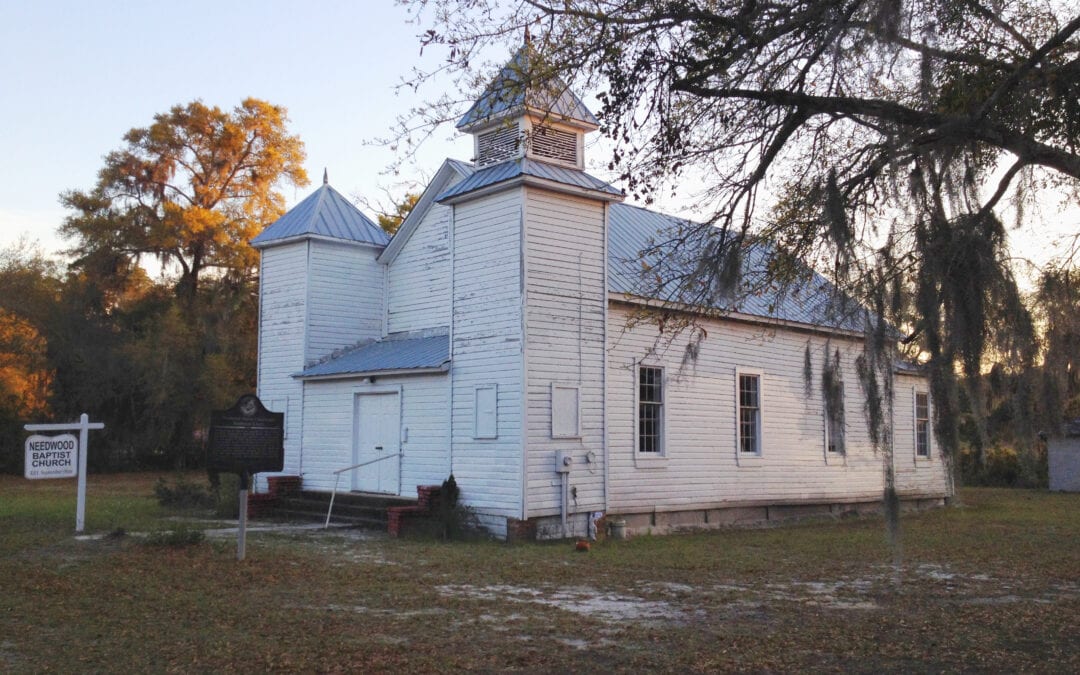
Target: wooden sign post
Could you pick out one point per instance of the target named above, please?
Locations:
(55, 457)
(246, 439)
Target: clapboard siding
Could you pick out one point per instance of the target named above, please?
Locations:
(487, 349)
(565, 298)
(915, 476)
(700, 467)
(329, 410)
(282, 316)
(346, 298)
(419, 277)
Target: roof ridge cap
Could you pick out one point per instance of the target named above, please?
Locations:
(322, 191)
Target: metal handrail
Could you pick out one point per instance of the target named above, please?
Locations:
(337, 477)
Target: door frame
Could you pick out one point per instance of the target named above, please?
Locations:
(375, 391)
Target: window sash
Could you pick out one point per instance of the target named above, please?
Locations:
(834, 427)
(922, 424)
(650, 430)
(749, 414)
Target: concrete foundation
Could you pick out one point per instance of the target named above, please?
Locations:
(667, 522)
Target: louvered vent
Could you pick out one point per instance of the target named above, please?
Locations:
(497, 145)
(561, 146)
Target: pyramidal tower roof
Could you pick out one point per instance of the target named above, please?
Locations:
(326, 214)
(511, 93)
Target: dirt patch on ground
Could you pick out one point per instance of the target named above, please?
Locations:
(583, 600)
(681, 603)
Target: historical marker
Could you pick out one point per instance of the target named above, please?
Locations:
(247, 438)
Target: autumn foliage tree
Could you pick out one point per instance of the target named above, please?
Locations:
(31, 289)
(151, 356)
(190, 190)
(390, 220)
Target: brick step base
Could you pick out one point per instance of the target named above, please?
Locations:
(287, 501)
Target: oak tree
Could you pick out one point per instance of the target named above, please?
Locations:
(191, 190)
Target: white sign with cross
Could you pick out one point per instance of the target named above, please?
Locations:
(60, 456)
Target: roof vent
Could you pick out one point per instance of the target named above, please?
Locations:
(497, 145)
(554, 144)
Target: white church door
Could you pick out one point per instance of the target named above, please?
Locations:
(378, 437)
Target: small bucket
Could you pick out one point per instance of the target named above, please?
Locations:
(618, 529)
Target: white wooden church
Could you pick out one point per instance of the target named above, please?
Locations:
(489, 338)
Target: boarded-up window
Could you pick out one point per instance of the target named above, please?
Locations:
(650, 410)
(922, 424)
(486, 407)
(555, 144)
(565, 411)
(497, 145)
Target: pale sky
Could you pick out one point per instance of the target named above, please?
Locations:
(76, 75)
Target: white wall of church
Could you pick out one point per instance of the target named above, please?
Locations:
(700, 466)
(565, 279)
(345, 296)
(282, 329)
(486, 352)
(329, 430)
(418, 295)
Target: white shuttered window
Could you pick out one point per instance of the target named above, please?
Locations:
(486, 411)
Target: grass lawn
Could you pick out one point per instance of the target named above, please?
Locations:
(993, 585)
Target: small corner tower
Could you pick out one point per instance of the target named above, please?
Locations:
(320, 289)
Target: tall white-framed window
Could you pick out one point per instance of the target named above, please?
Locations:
(835, 441)
(650, 411)
(922, 424)
(486, 411)
(565, 411)
(748, 423)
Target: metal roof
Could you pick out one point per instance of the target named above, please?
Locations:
(638, 239)
(462, 167)
(909, 367)
(394, 354)
(509, 93)
(515, 168)
(323, 213)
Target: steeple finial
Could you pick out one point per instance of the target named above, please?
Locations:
(528, 38)
(325, 177)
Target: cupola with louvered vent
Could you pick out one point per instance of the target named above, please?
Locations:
(519, 117)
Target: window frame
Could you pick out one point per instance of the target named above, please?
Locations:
(759, 450)
(915, 419)
(576, 388)
(478, 434)
(661, 417)
(836, 455)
